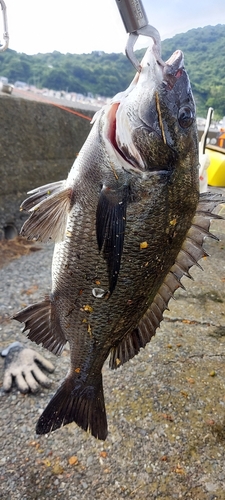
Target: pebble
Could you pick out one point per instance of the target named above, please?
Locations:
(210, 487)
(89, 460)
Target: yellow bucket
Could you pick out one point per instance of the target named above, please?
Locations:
(216, 169)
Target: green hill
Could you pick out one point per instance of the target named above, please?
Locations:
(106, 74)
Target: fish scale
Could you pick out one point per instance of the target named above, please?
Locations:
(128, 224)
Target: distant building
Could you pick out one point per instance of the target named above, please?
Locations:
(4, 80)
(20, 85)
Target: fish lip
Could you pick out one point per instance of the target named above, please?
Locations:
(151, 52)
(175, 61)
(173, 68)
(167, 72)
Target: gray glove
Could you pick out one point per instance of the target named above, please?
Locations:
(20, 364)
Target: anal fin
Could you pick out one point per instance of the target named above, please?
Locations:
(74, 403)
(140, 336)
(49, 206)
(43, 325)
(127, 349)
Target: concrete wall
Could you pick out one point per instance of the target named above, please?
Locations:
(38, 145)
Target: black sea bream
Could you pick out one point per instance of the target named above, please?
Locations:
(128, 224)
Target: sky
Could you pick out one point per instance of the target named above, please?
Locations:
(83, 26)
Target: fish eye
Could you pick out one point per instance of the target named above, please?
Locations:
(185, 117)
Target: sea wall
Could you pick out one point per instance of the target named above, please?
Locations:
(38, 145)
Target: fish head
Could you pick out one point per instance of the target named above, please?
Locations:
(155, 119)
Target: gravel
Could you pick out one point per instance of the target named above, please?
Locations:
(165, 407)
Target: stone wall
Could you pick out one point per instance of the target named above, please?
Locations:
(38, 145)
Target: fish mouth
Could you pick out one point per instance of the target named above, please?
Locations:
(119, 129)
(112, 124)
(123, 152)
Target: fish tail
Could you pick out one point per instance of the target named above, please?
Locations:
(74, 402)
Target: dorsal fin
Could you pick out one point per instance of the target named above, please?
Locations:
(188, 256)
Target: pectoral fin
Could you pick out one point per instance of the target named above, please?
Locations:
(49, 206)
(110, 227)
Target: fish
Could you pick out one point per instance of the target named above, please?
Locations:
(128, 223)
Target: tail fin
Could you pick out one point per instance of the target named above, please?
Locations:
(74, 403)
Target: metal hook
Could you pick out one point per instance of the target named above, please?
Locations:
(145, 31)
(136, 23)
(5, 24)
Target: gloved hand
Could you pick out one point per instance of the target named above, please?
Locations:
(22, 364)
